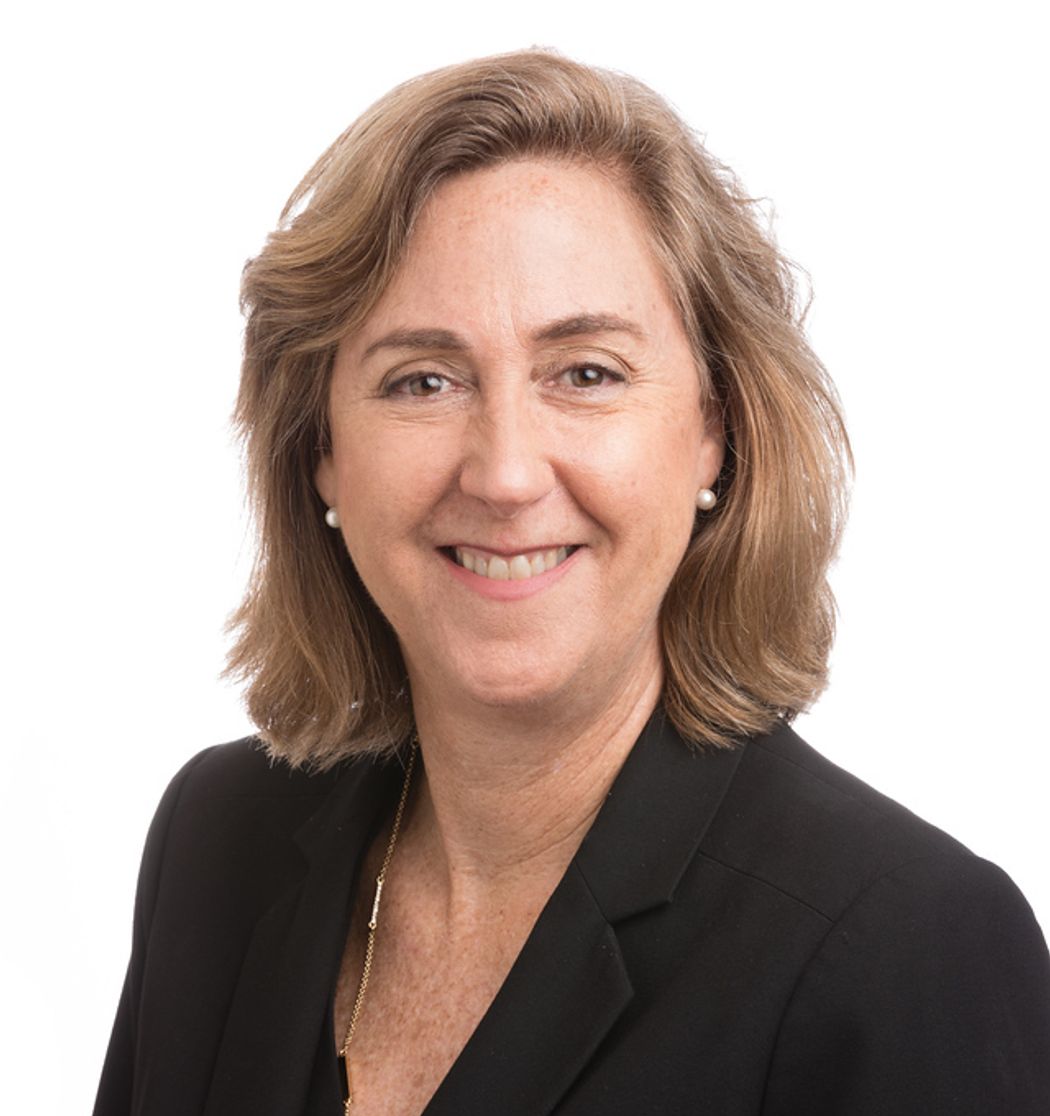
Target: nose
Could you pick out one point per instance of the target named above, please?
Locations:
(507, 460)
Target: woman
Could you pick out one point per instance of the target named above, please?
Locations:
(547, 483)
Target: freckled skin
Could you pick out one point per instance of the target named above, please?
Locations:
(506, 456)
(430, 985)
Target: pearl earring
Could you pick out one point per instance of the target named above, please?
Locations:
(706, 499)
(331, 517)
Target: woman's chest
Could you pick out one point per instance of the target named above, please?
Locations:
(423, 997)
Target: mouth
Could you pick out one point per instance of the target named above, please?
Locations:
(509, 567)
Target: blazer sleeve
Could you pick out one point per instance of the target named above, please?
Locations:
(930, 995)
(116, 1088)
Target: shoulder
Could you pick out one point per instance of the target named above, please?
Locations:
(926, 983)
(229, 809)
(244, 767)
(229, 778)
(803, 825)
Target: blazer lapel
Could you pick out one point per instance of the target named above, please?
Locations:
(279, 1008)
(570, 984)
(566, 989)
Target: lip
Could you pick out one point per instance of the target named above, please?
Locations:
(506, 552)
(509, 590)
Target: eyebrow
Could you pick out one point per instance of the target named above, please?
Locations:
(585, 324)
(578, 325)
(418, 339)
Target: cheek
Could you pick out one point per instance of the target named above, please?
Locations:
(389, 477)
(641, 479)
(663, 451)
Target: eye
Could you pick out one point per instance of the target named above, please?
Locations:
(591, 375)
(420, 385)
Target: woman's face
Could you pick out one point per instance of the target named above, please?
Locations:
(517, 440)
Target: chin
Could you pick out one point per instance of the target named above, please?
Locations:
(510, 690)
(513, 681)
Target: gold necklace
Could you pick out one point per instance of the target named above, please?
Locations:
(373, 922)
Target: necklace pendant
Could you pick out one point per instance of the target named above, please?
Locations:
(373, 922)
(344, 1073)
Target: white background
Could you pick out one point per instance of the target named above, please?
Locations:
(148, 150)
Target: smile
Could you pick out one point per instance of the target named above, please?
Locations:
(516, 567)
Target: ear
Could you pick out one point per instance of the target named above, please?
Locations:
(324, 480)
(712, 451)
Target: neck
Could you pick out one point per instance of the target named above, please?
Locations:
(506, 800)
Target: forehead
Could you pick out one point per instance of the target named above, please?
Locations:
(526, 242)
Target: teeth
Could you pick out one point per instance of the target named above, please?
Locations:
(519, 568)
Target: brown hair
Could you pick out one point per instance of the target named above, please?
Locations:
(748, 620)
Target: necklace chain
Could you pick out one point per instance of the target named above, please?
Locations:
(373, 923)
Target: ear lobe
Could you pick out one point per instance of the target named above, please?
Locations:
(324, 480)
(712, 455)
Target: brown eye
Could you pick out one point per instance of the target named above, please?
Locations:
(426, 385)
(420, 384)
(591, 376)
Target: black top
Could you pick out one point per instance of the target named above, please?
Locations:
(741, 932)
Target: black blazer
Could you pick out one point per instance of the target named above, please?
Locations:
(741, 932)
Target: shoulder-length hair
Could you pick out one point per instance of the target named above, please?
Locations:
(748, 620)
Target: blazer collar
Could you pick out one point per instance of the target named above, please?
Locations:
(650, 827)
